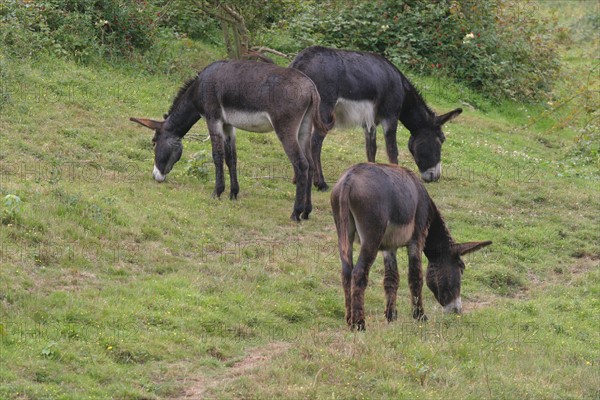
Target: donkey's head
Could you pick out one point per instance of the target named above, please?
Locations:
(444, 274)
(167, 147)
(425, 145)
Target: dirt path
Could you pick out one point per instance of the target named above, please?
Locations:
(200, 385)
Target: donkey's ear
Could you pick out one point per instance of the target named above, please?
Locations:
(442, 119)
(469, 247)
(148, 123)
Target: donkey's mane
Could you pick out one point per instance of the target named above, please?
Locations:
(438, 240)
(415, 97)
(181, 93)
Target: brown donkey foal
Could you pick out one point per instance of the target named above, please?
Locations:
(389, 207)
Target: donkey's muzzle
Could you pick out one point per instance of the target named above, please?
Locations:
(432, 174)
(455, 306)
(157, 175)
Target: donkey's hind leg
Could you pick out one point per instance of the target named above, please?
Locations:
(304, 140)
(360, 279)
(316, 146)
(231, 160)
(345, 249)
(390, 284)
(287, 134)
(326, 110)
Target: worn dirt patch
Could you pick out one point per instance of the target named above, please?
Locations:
(199, 386)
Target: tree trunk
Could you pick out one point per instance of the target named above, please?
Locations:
(235, 32)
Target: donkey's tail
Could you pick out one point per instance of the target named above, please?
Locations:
(318, 122)
(343, 221)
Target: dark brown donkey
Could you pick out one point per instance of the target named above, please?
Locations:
(249, 95)
(389, 207)
(365, 89)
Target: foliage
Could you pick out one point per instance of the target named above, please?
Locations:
(77, 29)
(198, 165)
(503, 48)
(11, 209)
(500, 47)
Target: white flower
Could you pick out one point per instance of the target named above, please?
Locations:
(468, 37)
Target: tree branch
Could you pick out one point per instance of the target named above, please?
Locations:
(261, 49)
(232, 13)
(210, 13)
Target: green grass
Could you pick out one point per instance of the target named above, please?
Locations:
(114, 286)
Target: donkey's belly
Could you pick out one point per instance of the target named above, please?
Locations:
(396, 236)
(248, 121)
(349, 113)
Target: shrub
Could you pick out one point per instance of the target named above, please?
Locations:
(78, 29)
(499, 47)
(11, 209)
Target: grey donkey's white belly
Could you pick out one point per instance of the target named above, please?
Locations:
(259, 121)
(350, 113)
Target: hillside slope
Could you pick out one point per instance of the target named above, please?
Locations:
(114, 286)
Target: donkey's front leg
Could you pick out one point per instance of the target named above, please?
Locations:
(390, 284)
(231, 160)
(391, 145)
(215, 130)
(371, 142)
(415, 281)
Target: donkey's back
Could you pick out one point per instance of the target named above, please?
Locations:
(247, 88)
(384, 204)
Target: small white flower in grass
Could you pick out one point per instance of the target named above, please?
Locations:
(468, 37)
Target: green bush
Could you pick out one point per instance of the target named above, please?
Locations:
(78, 29)
(11, 209)
(502, 48)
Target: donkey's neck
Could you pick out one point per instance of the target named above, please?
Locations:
(415, 113)
(183, 114)
(438, 242)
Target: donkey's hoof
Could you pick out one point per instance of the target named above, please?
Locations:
(420, 317)
(322, 186)
(216, 195)
(358, 325)
(233, 196)
(306, 212)
(295, 216)
(391, 315)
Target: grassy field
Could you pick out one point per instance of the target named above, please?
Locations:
(115, 286)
